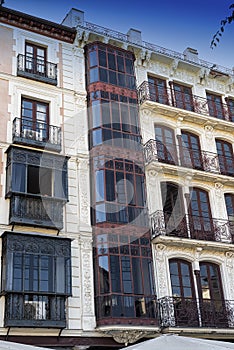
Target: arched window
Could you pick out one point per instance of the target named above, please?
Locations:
(200, 220)
(165, 144)
(183, 293)
(226, 159)
(190, 151)
(212, 305)
(173, 209)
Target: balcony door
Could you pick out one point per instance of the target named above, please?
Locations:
(215, 106)
(173, 209)
(35, 59)
(35, 119)
(165, 144)
(225, 156)
(190, 151)
(158, 90)
(183, 97)
(183, 293)
(212, 305)
(200, 219)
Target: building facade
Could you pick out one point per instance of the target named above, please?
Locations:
(117, 187)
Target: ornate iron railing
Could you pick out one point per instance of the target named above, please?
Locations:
(169, 96)
(182, 156)
(188, 312)
(155, 48)
(36, 211)
(36, 133)
(140, 309)
(37, 69)
(191, 226)
(34, 310)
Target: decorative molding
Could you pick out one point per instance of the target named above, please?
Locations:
(128, 336)
(37, 25)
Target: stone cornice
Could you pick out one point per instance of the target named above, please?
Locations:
(37, 25)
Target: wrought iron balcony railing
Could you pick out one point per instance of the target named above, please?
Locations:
(37, 134)
(117, 307)
(36, 211)
(191, 226)
(169, 96)
(34, 310)
(189, 312)
(37, 69)
(189, 158)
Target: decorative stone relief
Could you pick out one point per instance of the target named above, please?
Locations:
(161, 269)
(229, 265)
(209, 132)
(84, 191)
(128, 336)
(218, 189)
(174, 67)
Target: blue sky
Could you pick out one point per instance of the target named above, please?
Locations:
(173, 24)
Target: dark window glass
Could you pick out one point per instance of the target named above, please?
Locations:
(126, 274)
(181, 279)
(158, 90)
(18, 177)
(165, 143)
(215, 106)
(110, 185)
(102, 58)
(183, 97)
(225, 156)
(201, 225)
(190, 151)
(129, 66)
(111, 61)
(230, 104)
(115, 273)
(120, 63)
(103, 75)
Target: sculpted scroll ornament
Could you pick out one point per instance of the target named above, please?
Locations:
(127, 337)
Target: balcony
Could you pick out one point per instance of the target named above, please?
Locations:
(36, 69)
(36, 211)
(34, 310)
(155, 151)
(188, 312)
(189, 102)
(126, 309)
(192, 227)
(36, 134)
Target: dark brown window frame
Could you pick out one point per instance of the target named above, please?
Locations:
(226, 162)
(187, 147)
(168, 151)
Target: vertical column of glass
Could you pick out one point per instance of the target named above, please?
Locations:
(122, 250)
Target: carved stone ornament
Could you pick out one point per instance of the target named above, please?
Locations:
(128, 336)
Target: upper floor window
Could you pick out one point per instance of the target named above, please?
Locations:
(35, 119)
(183, 97)
(110, 65)
(33, 64)
(173, 209)
(190, 150)
(215, 106)
(225, 156)
(35, 59)
(158, 90)
(200, 219)
(121, 185)
(230, 104)
(165, 144)
(36, 173)
(36, 279)
(229, 201)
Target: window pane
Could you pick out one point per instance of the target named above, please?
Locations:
(115, 274)
(102, 58)
(104, 274)
(18, 177)
(93, 58)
